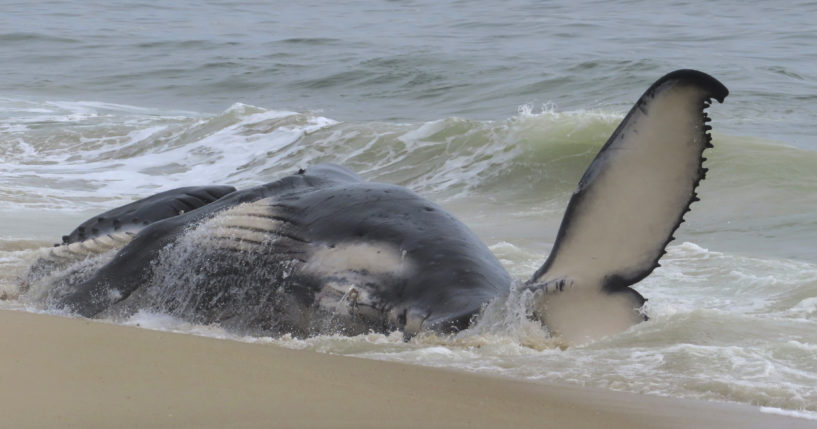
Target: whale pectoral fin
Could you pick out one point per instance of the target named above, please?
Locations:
(136, 215)
(633, 196)
(115, 228)
(578, 310)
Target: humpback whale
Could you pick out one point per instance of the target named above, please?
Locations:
(324, 251)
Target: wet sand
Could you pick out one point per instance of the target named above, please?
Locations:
(67, 373)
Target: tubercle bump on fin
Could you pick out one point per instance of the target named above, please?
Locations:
(702, 171)
(707, 144)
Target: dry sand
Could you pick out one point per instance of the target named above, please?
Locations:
(67, 373)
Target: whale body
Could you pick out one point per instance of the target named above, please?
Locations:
(324, 251)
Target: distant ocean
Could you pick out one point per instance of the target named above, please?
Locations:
(492, 109)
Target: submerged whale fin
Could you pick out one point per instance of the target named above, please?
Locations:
(635, 193)
(136, 215)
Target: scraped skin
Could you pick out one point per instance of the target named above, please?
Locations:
(322, 251)
(628, 204)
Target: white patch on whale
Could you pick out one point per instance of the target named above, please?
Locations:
(373, 258)
(349, 270)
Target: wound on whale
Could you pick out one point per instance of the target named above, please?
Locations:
(323, 251)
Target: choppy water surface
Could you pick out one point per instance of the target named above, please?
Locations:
(492, 110)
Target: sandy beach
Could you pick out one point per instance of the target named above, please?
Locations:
(68, 373)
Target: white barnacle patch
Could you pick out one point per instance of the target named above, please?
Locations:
(342, 297)
(114, 295)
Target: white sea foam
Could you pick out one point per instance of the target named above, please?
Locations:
(122, 152)
(163, 322)
(810, 415)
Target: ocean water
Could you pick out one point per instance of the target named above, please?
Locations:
(491, 109)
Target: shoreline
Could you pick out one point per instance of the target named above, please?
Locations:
(64, 373)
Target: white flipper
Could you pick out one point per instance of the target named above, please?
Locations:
(634, 195)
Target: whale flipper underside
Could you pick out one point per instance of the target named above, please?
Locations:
(628, 204)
